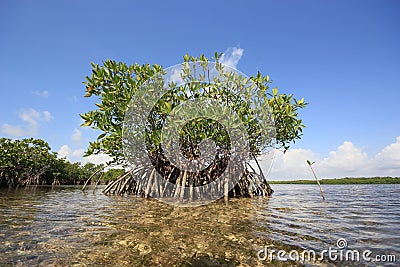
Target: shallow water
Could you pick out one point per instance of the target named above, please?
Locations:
(66, 227)
(366, 216)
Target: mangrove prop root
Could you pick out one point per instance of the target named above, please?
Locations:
(142, 180)
(91, 176)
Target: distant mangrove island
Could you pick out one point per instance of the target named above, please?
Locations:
(346, 180)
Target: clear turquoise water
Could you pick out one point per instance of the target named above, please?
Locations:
(64, 226)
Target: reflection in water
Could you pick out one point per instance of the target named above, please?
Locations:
(41, 226)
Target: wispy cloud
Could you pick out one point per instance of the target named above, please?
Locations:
(232, 56)
(12, 130)
(76, 136)
(72, 99)
(30, 118)
(44, 93)
(346, 161)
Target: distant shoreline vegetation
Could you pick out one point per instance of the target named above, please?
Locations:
(346, 180)
(31, 162)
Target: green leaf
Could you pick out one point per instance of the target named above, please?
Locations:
(87, 123)
(169, 106)
(101, 135)
(186, 57)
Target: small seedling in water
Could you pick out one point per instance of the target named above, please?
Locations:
(315, 176)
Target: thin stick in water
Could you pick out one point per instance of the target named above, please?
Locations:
(315, 176)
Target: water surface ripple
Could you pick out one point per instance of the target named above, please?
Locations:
(65, 226)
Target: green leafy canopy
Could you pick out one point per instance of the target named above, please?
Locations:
(113, 84)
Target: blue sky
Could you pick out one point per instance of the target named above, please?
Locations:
(343, 57)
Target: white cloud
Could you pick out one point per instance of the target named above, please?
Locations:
(347, 158)
(389, 157)
(64, 152)
(46, 116)
(96, 159)
(73, 155)
(75, 152)
(44, 93)
(72, 99)
(232, 56)
(76, 155)
(175, 76)
(290, 165)
(12, 130)
(346, 161)
(31, 118)
(76, 136)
